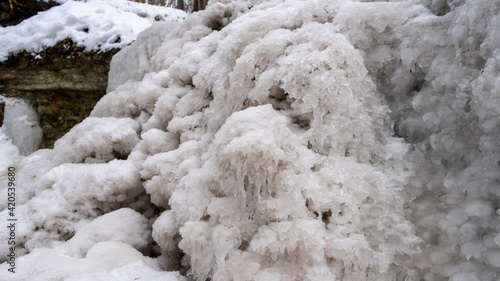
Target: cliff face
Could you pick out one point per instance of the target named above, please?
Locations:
(64, 83)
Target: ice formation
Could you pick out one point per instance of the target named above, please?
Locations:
(21, 124)
(10, 152)
(283, 140)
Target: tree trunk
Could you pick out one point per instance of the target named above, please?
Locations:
(199, 5)
(180, 4)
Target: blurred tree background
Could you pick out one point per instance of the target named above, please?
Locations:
(13, 12)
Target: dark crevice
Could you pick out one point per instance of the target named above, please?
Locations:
(279, 99)
(244, 245)
(214, 24)
(249, 103)
(325, 216)
(118, 155)
(302, 121)
(442, 7)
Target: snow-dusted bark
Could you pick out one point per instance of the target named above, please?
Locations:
(291, 140)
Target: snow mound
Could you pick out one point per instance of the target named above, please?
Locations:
(286, 140)
(93, 24)
(104, 249)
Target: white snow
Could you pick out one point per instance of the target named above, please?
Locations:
(282, 140)
(94, 24)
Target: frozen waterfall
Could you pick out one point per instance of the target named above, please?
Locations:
(281, 140)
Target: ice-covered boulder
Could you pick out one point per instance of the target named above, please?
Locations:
(289, 140)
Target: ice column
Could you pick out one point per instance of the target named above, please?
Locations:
(21, 124)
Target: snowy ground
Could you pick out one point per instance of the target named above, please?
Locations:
(280, 140)
(94, 24)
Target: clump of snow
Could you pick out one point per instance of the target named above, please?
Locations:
(286, 140)
(93, 24)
